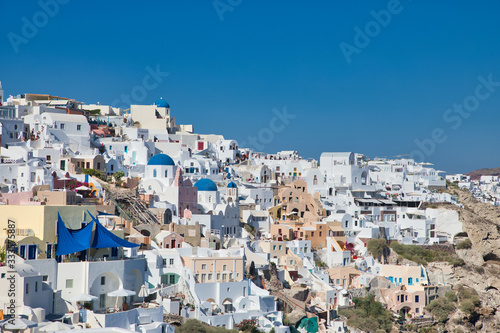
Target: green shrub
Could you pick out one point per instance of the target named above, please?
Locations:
(118, 174)
(467, 306)
(451, 296)
(441, 308)
(92, 172)
(368, 315)
(465, 244)
(420, 255)
(193, 325)
(456, 262)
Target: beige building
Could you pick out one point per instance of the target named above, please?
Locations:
(345, 277)
(80, 163)
(153, 117)
(401, 299)
(215, 269)
(294, 204)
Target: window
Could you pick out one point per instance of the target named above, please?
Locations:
(224, 277)
(154, 173)
(417, 310)
(218, 276)
(166, 173)
(103, 280)
(417, 298)
(69, 283)
(224, 267)
(171, 261)
(209, 277)
(164, 262)
(48, 158)
(172, 279)
(312, 233)
(36, 286)
(204, 267)
(280, 247)
(78, 127)
(274, 247)
(62, 126)
(338, 281)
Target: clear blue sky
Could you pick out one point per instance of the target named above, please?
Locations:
(226, 76)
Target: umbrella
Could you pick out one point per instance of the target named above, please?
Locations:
(84, 298)
(143, 293)
(64, 179)
(25, 311)
(55, 326)
(82, 188)
(120, 293)
(18, 324)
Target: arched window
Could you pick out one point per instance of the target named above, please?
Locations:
(166, 173)
(154, 173)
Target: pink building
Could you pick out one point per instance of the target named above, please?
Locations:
(169, 240)
(188, 194)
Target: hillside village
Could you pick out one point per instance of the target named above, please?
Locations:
(126, 219)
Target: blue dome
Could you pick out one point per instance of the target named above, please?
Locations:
(205, 185)
(161, 103)
(161, 159)
(232, 185)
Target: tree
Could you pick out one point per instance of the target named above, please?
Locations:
(92, 172)
(376, 247)
(117, 175)
(368, 315)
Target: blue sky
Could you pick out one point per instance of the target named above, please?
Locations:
(228, 70)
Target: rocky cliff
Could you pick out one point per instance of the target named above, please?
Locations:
(481, 272)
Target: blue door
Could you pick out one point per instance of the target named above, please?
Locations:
(32, 251)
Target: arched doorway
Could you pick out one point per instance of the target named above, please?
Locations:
(167, 217)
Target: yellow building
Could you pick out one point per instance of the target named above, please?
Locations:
(34, 228)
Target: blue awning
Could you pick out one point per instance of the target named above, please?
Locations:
(105, 238)
(83, 235)
(99, 213)
(66, 243)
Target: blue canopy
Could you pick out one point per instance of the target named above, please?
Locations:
(83, 235)
(105, 238)
(66, 243)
